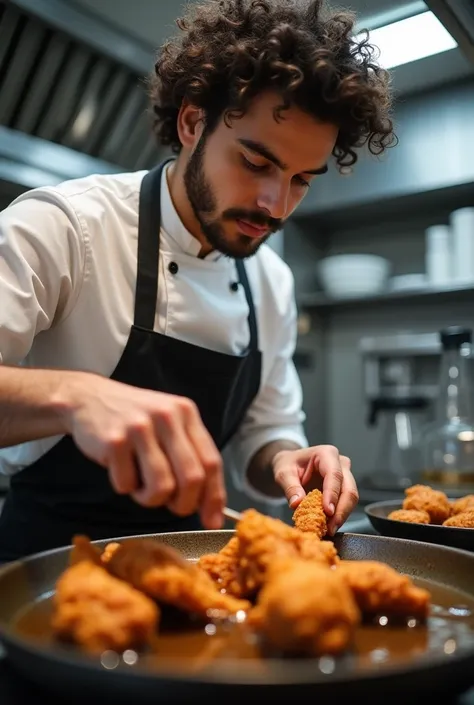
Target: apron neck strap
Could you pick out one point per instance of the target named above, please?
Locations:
(242, 272)
(148, 259)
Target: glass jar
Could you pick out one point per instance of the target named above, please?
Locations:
(447, 444)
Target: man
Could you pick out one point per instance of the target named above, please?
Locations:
(144, 325)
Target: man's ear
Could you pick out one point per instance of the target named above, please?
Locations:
(190, 124)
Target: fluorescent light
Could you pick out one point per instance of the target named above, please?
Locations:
(410, 39)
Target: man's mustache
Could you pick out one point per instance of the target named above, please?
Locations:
(254, 218)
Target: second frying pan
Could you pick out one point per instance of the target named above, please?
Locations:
(454, 536)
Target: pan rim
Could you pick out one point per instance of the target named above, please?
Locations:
(293, 673)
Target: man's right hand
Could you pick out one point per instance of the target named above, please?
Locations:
(154, 445)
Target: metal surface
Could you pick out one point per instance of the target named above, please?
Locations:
(61, 671)
(396, 366)
(458, 18)
(89, 29)
(232, 514)
(401, 344)
(377, 512)
(60, 82)
(30, 162)
(396, 13)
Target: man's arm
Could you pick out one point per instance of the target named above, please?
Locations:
(260, 473)
(120, 427)
(32, 403)
(274, 421)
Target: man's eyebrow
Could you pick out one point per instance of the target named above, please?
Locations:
(266, 153)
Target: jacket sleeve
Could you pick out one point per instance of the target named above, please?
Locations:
(42, 257)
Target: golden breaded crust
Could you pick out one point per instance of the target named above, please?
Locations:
(411, 516)
(463, 520)
(310, 515)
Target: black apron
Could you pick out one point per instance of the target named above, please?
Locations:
(64, 493)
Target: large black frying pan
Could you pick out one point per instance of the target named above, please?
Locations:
(454, 536)
(439, 672)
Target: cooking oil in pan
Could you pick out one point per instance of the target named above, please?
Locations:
(194, 645)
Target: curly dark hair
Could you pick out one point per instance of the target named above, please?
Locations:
(230, 51)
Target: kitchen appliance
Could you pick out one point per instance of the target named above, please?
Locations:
(400, 420)
(398, 403)
(447, 443)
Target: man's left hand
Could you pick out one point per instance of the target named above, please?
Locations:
(319, 467)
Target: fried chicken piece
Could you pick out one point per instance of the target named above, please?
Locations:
(263, 539)
(163, 574)
(463, 520)
(84, 550)
(415, 489)
(434, 502)
(411, 516)
(310, 547)
(379, 588)
(305, 609)
(100, 612)
(108, 552)
(462, 504)
(310, 515)
(224, 567)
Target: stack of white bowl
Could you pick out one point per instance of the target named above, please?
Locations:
(352, 276)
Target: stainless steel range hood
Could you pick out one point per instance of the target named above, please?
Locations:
(28, 162)
(458, 18)
(72, 98)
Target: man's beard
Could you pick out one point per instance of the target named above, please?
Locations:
(203, 202)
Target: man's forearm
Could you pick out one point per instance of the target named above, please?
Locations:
(260, 470)
(33, 403)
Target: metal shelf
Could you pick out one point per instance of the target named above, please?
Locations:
(321, 301)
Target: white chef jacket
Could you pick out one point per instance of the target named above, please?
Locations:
(68, 262)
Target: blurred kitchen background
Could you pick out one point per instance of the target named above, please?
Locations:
(72, 102)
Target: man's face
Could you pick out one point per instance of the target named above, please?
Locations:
(243, 181)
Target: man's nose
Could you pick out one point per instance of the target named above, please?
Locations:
(274, 200)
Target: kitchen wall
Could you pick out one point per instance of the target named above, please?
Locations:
(435, 151)
(385, 212)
